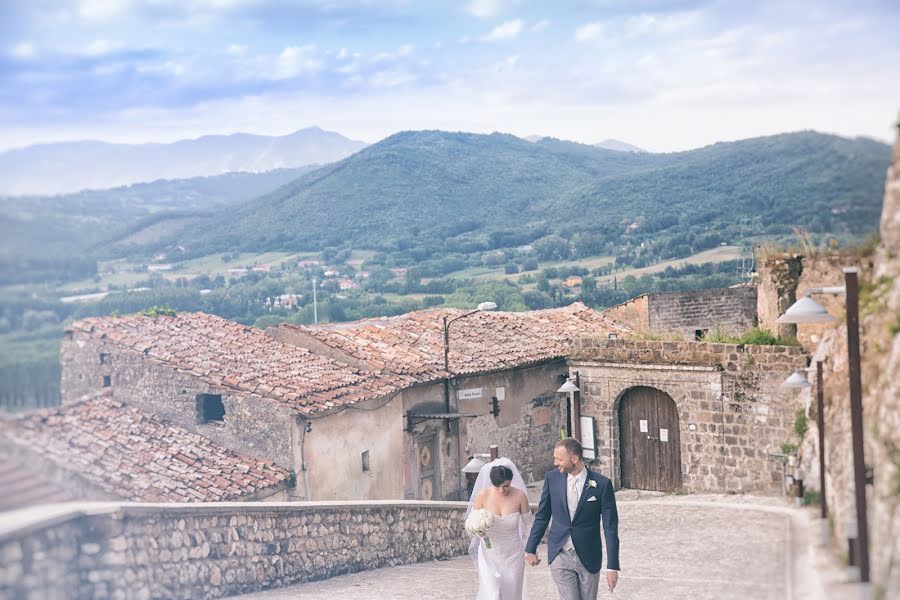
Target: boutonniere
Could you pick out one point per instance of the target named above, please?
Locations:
(592, 483)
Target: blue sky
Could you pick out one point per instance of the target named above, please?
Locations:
(662, 74)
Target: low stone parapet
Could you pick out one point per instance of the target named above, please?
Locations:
(130, 550)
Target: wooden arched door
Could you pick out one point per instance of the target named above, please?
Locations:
(651, 441)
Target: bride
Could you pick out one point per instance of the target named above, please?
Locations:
(500, 490)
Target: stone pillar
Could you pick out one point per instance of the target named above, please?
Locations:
(777, 290)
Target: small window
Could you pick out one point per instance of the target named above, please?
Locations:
(365, 461)
(104, 358)
(107, 381)
(699, 334)
(210, 408)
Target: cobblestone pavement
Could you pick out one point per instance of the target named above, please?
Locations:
(673, 548)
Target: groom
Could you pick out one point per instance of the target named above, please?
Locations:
(577, 499)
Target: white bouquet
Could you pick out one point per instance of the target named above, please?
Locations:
(479, 521)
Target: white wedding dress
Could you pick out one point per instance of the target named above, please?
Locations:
(501, 570)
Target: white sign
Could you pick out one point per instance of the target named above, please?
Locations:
(469, 394)
(644, 428)
(500, 393)
(664, 435)
(587, 438)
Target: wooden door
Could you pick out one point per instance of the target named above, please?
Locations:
(651, 444)
(428, 481)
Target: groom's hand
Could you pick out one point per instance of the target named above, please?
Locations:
(532, 559)
(611, 578)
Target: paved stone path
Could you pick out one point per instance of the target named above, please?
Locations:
(673, 548)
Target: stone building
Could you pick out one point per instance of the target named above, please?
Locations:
(688, 416)
(207, 385)
(517, 358)
(692, 313)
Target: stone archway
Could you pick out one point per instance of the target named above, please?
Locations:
(650, 440)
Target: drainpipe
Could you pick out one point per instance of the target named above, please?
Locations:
(576, 409)
(305, 427)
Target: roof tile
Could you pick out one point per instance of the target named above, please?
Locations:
(139, 456)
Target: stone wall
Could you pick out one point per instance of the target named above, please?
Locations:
(529, 441)
(333, 447)
(880, 347)
(214, 550)
(252, 426)
(471, 396)
(635, 313)
(731, 310)
(732, 416)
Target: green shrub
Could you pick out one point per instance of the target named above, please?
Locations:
(800, 424)
(788, 448)
(758, 337)
(720, 336)
(159, 311)
(811, 497)
(895, 326)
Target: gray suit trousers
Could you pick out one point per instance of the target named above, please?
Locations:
(573, 580)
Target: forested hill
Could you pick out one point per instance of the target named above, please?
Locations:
(444, 192)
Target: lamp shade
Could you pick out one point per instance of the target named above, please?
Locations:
(796, 381)
(805, 310)
(568, 386)
(487, 306)
(474, 465)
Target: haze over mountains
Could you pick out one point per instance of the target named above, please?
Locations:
(64, 167)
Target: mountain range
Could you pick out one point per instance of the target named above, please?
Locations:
(608, 144)
(422, 193)
(64, 167)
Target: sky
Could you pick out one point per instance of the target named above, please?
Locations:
(664, 75)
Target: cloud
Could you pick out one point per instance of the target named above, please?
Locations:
(23, 50)
(507, 65)
(589, 31)
(540, 25)
(505, 31)
(101, 47)
(102, 10)
(295, 60)
(649, 24)
(484, 9)
(237, 50)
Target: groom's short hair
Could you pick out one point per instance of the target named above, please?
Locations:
(572, 446)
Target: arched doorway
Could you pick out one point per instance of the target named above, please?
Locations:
(651, 442)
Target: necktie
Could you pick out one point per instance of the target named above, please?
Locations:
(573, 497)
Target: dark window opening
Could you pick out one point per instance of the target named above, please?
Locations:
(104, 358)
(107, 381)
(210, 408)
(699, 334)
(365, 461)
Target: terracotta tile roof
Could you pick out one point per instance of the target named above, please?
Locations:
(23, 487)
(412, 344)
(138, 456)
(231, 355)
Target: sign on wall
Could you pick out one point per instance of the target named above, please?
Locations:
(588, 443)
(469, 394)
(500, 393)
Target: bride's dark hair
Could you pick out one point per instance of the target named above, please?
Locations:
(499, 474)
